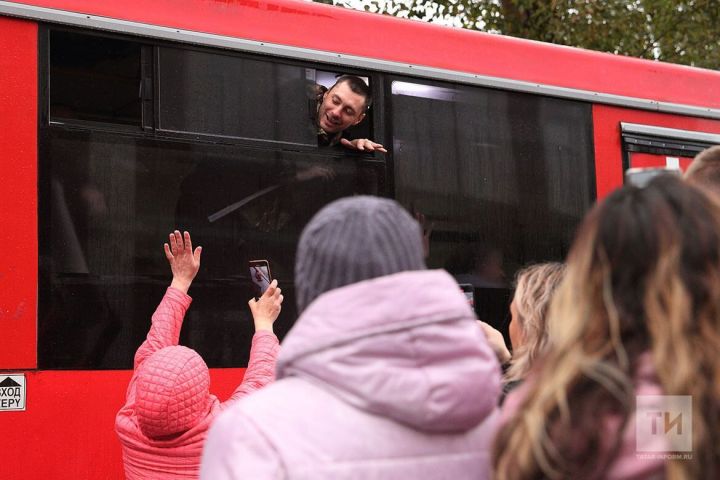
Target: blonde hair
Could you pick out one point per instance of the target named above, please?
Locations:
(642, 280)
(535, 286)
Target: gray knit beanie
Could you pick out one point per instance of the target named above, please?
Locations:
(355, 239)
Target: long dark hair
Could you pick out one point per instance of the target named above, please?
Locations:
(643, 279)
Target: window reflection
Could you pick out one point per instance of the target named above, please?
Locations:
(108, 203)
(503, 177)
(214, 94)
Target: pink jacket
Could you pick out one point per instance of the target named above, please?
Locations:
(630, 463)
(389, 378)
(169, 408)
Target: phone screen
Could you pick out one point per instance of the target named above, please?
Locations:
(260, 275)
(469, 292)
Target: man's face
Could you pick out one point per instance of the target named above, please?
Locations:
(340, 108)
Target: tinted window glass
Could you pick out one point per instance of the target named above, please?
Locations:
(94, 79)
(504, 178)
(224, 95)
(107, 205)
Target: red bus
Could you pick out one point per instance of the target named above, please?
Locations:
(120, 121)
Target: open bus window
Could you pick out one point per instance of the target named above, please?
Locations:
(230, 96)
(94, 79)
(503, 177)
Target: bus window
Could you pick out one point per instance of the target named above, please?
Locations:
(109, 195)
(94, 79)
(229, 96)
(652, 146)
(503, 177)
(107, 203)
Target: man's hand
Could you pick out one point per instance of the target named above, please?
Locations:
(496, 341)
(184, 263)
(266, 310)
(362, 144)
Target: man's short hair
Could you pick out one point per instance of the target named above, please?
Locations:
(357, 85)
(704, 170)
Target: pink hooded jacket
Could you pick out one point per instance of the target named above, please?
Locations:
(389, 378)
(169, 408)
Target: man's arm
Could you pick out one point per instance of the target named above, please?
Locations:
(265, 346)
(168, 317)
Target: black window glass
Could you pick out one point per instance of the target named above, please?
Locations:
(504, 178)
(214, 94)
(107, 204)
(94, 79)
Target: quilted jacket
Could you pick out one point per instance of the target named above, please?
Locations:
(169, 408)
(388, 378)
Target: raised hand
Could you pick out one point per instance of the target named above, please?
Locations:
(266, 310)
(184, 262)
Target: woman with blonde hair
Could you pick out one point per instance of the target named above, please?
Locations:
(636, 318)
(535, 286)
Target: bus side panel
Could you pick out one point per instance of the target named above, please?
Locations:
(68, 429)
(608, 141)
(18, 193)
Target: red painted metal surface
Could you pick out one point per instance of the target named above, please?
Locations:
(18, 194)
(322, 27)
(67, 431)
(607, 138)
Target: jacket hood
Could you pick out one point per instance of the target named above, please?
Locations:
(403, 346)
(173, 391)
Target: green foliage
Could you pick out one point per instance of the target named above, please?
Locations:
(679, 31)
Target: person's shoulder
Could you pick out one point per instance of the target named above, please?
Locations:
(316, 90)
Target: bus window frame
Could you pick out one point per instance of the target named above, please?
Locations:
(49, 126)
(657, 143)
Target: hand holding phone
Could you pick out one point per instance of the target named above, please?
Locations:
(266, 309)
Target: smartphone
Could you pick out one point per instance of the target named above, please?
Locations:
(640, 177)
(469, 291)
(260, 275)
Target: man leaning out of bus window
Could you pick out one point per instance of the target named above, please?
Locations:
(169, 408)
(341, 107)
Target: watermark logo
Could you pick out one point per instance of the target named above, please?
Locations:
(663, 423)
